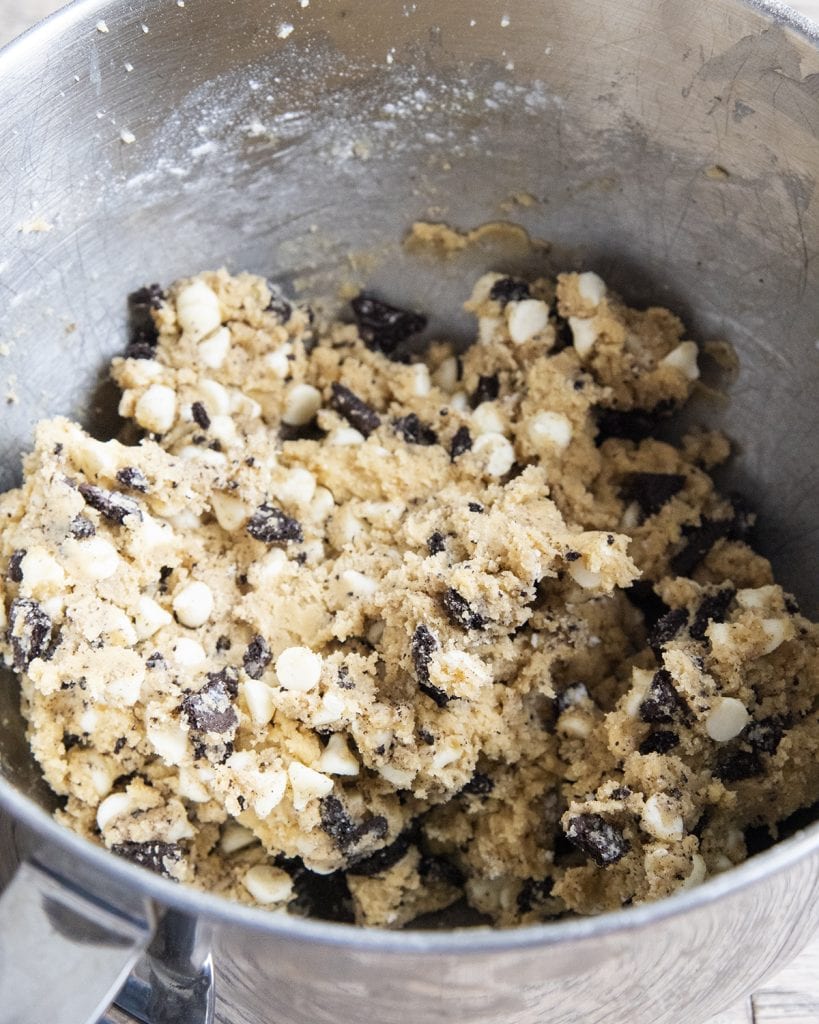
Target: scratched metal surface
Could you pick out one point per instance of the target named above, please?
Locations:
(792, 996)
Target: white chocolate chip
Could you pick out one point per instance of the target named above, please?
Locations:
(698, 874)
(776, 631)
(169, 741)
(297, 487)
(322, 504)
(446, 753)
(574, 723)
(498, 453)
(684, 359)
(214, 350)
(726, 720)
(42, 573)
(243, 405)
(756, 597)
(197, 309)
(358, 584)
(263, 572)
(235, 837)
(302, 403)
(446, 376)
(584, 577)
(661, 818)
(459, 401)
(156, 409)
(584, 334)
(278, 362)
(112, 807)
(231, 512)
(337, 758)
(215, 398)
(119, 629)
(398, 777)
(188, 653)
(487, 328)
(126, 687)
(299, 669)
(93, 559)
(421, 383)
(223, 429)
(259, 699)
(487, 420)
(191, 786)
(97, 458)
(526, 319)
(591, 288)
(273, 786)
(193, 604)
(267, 884)
(345, 436)
(550, 428)
(630, 517)
(307, 784)
(330, 710)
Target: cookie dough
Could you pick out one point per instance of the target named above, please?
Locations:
(360, 633)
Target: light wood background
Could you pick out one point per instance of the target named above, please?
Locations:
(793, 996)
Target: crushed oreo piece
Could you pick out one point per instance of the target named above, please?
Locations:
(533, 891)
(29, 632)
(343, 680)
(426, 737)
(325, 897)
(305, 432)
(766, 734)
(460, 612)
(667, 628)
(663, 703)
(597, 838)
(346, 833)
(81, 527)
(479, 785)
(659, 742)
(382, 326)
(165, 573)
(272, 526)
(697, 542)
(572, 556)
(413, 431)
(737, 765)
(621, 793)
(441, 870)
(508, 289)
(257, 657)
(200, 415)
(563, 339)
(712, 609)
(70, 740)
(436, 543)
(223, 643)
(130, 476)
(278, 305)
(114, 506)
(15, 571)
(487, 390)
(380, 861)
(461, 442)
(651, 491)
(476, 506)
(155, 660)
(211, 709)
(424, 646)
(153, 855)
(356, 411)
(642, 595)
(142, 333)
(633, 425)
(744, 518)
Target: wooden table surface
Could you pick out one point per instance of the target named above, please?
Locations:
(792, 997)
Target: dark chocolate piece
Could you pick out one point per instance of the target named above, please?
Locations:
(357, 413)
(272, 526)
(382, 326)
(114, 506)
(597, 838)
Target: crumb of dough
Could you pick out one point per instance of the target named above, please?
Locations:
(363, 634)
(35, 226)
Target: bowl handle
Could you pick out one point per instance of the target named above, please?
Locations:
(63, 954)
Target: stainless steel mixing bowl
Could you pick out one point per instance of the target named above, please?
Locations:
(669, 144)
